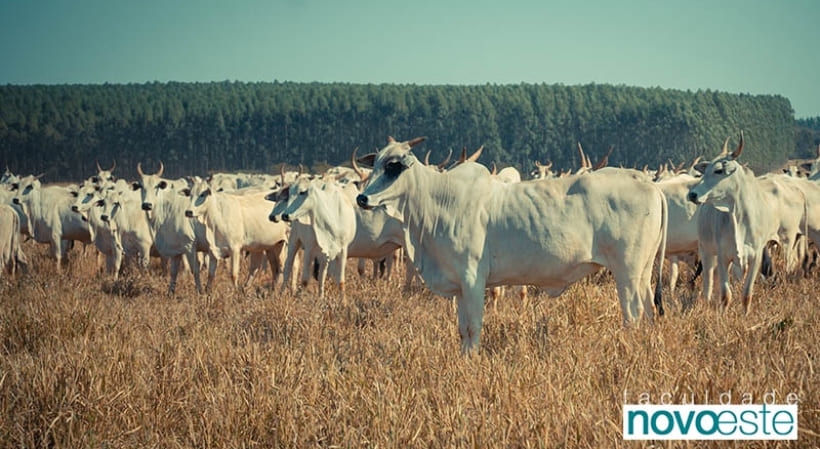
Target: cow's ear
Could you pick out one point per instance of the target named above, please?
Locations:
(135, 186)
(75, 193)
(367, 160)
(700, 167)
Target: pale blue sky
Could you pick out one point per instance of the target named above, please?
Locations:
(756, 47)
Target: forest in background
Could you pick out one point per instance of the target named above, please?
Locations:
(201, 128)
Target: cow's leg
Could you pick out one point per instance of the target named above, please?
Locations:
(174, 263)
(725, 282)
(674, 262)
(361, 266)
(409, 274)
(193, 263)
(236, 254)
(257, 262)
(749, 283)
(58, 252)
(145, 257)
(323, 266)
(213, 263)
(495, 293)
(340, 276)
(287, 281)
(109, 263)
(274, 256)
(307, 267)
(708, 262)
(470, 311)
(629, 295)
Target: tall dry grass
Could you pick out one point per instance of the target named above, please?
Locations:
(90, 363)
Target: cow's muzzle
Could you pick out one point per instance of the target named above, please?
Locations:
(693, 197)
(75, 209)
(15, 201)
(104, 218)
(146, 206)
(189, 213)
(361, 200)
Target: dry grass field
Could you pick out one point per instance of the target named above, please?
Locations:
(91, 363)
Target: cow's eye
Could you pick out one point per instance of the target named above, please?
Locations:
(162, 185)
(303, 192)
(393, 169)
(719, 171)
(100, 203)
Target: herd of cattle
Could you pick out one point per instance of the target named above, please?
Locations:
(464, 228)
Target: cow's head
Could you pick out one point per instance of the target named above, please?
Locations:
(151, 188)
(9, 178)
(25, 188)
(386, 181)
(104, 177)
(542, 171)
(199, 194)
(289, 196)
(85, 197)
(722, 178)
(111, 207)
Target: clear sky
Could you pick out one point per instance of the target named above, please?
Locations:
(736, 46)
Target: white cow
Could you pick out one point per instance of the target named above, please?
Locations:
(89, 203)
(51, 220)
(11, 254)
(790, 209)
(239, 222)
(332, 218)
(302, 235)
(7, 198)
(542, 171)
(104, 177)
(465, 233)
(175, 235)
(122, 210)
(719, 248)
(682, 233)
(8, 178)
(732, 188)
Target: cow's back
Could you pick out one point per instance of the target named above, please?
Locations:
(571, 227)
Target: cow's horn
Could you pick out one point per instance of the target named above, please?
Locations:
(725, 150)
(416, 141)
(444, 163)
(474, 157)
(358, 171)
(739, 149)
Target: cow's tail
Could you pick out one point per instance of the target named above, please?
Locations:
(661, 253)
